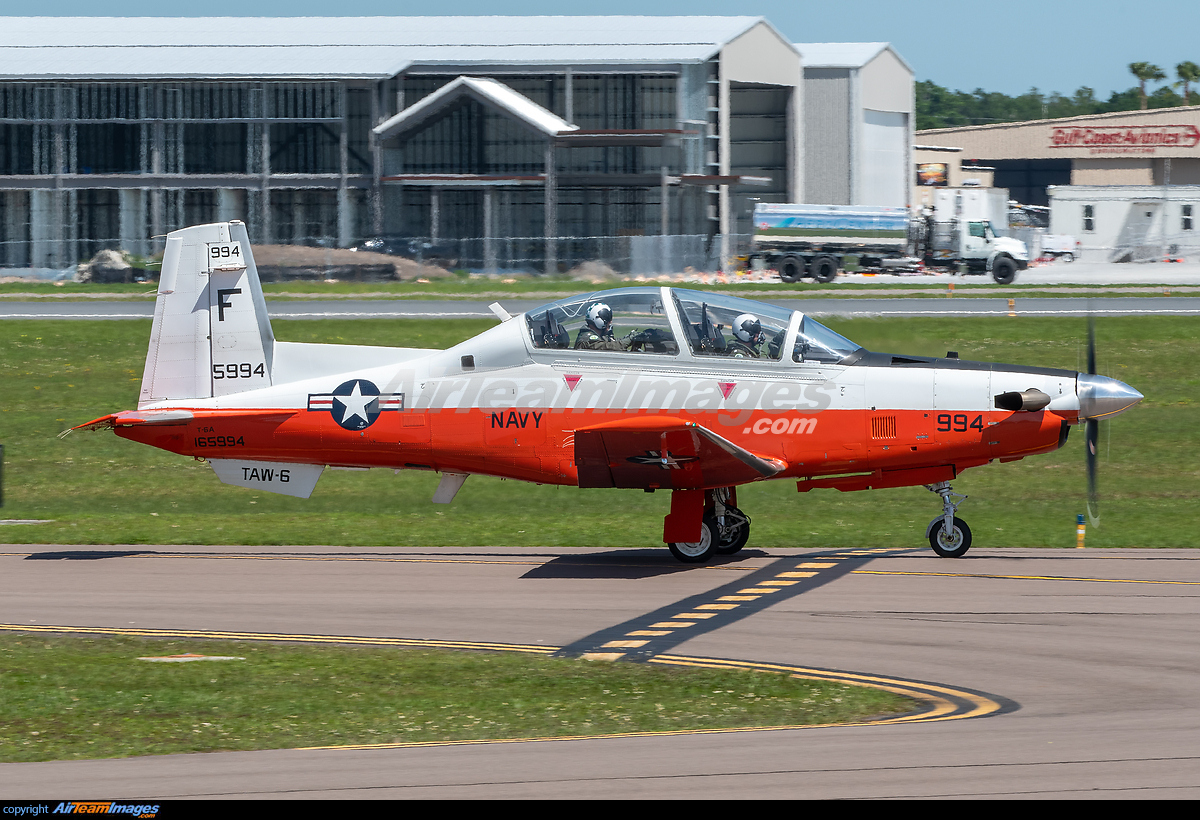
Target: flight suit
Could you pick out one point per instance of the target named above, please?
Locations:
(741, 350)
(589, 339)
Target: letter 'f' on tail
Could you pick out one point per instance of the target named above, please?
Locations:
(211, 334)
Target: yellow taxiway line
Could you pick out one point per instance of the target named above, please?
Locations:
(937, 702)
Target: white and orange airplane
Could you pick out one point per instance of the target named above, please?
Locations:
(651, 388)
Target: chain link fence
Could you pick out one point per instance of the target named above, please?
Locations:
(385, 258)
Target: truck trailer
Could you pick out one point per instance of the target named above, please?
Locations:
(812, 240)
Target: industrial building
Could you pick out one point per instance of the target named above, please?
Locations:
(1125, 184)
(1160, 146)
(528, 142)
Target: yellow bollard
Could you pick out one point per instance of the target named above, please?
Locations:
(1080, 529)
(1012, 307)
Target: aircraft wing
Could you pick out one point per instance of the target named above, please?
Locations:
(664, 452)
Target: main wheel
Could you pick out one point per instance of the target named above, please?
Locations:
(824, 269)
(700, 551)
(736, 532)
(950, 545)
(1067, 257)
(791, 269)
(1004, 270)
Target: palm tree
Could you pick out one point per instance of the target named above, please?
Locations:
(1188, 73)
(1144, 72)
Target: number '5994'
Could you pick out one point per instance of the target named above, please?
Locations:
(242, 370)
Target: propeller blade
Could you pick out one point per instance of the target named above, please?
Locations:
(1091, 440)
(1092, 430)
(1091, 348)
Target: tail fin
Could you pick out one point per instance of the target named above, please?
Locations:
(211, 334)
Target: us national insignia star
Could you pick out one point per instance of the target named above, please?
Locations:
(356, 404)
(665, 461)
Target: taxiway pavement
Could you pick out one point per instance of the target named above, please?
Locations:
(1095, 651)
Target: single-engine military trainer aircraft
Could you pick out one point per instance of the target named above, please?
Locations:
(653, 388)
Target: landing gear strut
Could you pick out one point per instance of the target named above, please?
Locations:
(949, 536)
(724, 529)
(733, 525)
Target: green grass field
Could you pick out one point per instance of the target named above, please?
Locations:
(69, 698)
(98, 489)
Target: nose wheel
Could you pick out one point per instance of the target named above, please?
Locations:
(949, 536)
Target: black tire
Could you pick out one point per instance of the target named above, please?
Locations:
(1004, 270)
(1068, 257)
(824, 269)
(956, 545)
(792, 269)
(736, 532)
(701, 551)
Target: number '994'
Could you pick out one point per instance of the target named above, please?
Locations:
(241, 370)
(958, 422)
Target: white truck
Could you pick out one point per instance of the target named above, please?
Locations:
(974, 245)
(800, 240)
(963, 230)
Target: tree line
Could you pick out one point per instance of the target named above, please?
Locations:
(938, 107)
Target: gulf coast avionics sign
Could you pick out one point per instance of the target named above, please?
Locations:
(1139, 139)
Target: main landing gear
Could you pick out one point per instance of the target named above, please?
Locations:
(949, 536)
(724, 529)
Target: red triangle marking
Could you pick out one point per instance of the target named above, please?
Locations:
(572, 381)
(726, 388)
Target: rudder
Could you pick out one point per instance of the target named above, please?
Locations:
(211, 334)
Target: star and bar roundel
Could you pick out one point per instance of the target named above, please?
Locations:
(356, 404)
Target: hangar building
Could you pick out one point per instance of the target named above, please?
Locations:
(529, 141)
(859, 108)
(1125, 184)
(1154, 147)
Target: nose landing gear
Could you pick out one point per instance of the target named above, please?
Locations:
(949, 535)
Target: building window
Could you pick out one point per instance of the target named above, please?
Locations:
(1187, 217)
(1089, 218)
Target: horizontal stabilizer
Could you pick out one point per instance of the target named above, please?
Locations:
(136, 417)
(663, 452)
(128, 418)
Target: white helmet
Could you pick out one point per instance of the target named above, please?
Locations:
(748, 329)
(599, 317)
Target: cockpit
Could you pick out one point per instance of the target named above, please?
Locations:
(678, 322)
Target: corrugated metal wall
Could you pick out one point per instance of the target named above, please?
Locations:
(827, 136)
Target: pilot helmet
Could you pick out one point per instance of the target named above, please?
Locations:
(748, 329)
(599, 317)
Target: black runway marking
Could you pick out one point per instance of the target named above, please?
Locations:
(622, 641)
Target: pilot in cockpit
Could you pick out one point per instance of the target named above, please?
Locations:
(748, 336)
(597, 332)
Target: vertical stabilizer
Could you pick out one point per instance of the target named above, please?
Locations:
(211, 334)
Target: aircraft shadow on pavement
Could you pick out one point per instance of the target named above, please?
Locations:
(627, 564)
(85, 555)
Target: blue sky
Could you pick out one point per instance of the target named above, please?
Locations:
(1007, 47)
